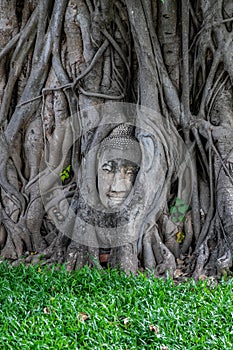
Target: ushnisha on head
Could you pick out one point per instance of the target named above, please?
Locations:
(119, 159)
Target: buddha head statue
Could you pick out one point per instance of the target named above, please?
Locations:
(119, 159)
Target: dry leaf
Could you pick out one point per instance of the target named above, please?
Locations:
(202, 277)
(126, 321)
(154, 329)
(83, 317)
(179, 261)
(178, 273)
(212, 282)
(46, 310)
(163, 347)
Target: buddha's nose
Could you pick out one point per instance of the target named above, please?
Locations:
(119, 183)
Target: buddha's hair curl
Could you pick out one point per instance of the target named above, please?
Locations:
(122, 138)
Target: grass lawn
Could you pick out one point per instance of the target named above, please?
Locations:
(91, 309)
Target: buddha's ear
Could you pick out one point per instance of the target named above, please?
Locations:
(148, 151)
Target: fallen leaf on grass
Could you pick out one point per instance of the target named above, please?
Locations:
(163, 347)
(212, 282)
(154, 329)
(83, 317)
(46, 310)
(126, 321)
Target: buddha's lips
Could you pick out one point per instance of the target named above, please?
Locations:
(117, 195)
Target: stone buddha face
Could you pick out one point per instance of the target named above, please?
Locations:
(115, 180)
(119, 161)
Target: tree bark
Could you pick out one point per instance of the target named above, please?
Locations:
(72, 70)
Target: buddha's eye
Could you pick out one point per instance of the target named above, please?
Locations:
(129, 172)
(108, 168)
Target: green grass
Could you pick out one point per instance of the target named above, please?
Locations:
(42, 309)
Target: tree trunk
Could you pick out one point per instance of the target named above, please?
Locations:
(81, 77)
